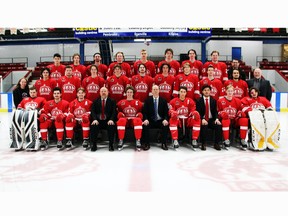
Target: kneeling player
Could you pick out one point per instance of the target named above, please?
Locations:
(264, 124)
(79, 114)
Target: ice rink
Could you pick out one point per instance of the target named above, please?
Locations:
(185, 173)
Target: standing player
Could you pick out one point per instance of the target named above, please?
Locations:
(174, 64)
(79, 114)
(183, 112)
(53, 114)
(220, 68)
(125, 67)
(240, 86)
(230, 112)
(57, 69)
(150, 66)
(165, 82)
(142, 83)
(45, 85)
(102, 68)
(92, 84)
(78, 70)
(129, 115)
(117, 83)
(216, 84)
(196, 66)
(69, 84)
(189, 80)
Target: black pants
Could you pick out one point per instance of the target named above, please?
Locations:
(152, 125)
(94, 131)
(217, 131)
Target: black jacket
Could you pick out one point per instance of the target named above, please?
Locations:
(148, 109)
(265, 87)
(110, 109)
(200, 107)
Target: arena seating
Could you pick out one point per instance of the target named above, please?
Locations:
(6, 67)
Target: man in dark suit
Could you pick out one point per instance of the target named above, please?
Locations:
(209, 117)
(235, 65)
(155, 115)
(103, 113)
(261, 84)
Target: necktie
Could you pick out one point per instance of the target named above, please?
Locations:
(206, 109)
(155, 109)
(103, 110)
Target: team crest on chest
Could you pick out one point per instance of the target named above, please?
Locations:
(68, 88)
(117, 89)
(44, 90)
(141, 87)
(92, 88)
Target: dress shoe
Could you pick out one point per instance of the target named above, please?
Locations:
(146, 147)
(203, 147)
(94, 147)
(164, 146)
(111, 148)
(217, 146)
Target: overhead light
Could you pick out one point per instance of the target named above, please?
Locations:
(142, 40)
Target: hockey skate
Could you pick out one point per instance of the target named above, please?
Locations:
(43, 145)
(226, 144)
(138, 145)
(244, 144)
(86, 144)
(120, 145)
(175, 144)
(69, 145)
(194, 145)
(60, 145)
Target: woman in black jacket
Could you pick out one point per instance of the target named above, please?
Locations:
(21, 91)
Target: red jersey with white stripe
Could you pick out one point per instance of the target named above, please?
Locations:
(32, 103)
(116, 86)
(142, 86)
(195, 67)
(175, 66)
(216, 87)
(191, 82)
(53, 109)
(45, 88)
(256, 103)
(229, 106)
(79, 71)
(150, 68)
(220, 70)
(129, 107)
(126, 69)
(93, 86)
(69, 87)
(56, 71)
(183, 108)
(166, 85)
(240, 88)
(102, 70)
(78, 108)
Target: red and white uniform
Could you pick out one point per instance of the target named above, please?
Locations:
(166, 85)
(116, 86)
(79, 71)
(69, 87)
(32, 103)
(142, 86)
(45, 88)
(195, 67)
(56, 72)
(220, 70)
(79, 112)
(216, 87)
(174, 64)
(93, 86)
(102, 70)
(191, 82)
(231, 114)
(126, 69)
(129, 115)
(53, 113)
(240, 88)
(260, 102)
(180, 111)
(150, 68)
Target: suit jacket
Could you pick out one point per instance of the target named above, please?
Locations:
(265, 87)
(200, 107)
(148, 109)
(110, 109)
